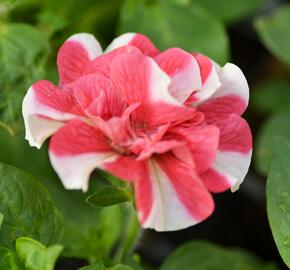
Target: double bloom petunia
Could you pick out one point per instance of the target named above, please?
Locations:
(168, 122)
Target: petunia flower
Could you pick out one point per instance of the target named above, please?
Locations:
(168, 122)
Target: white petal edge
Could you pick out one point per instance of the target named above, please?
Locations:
(233, 166)
(233, 82)
(74, 171)
(159, 85)
(210, 86)
(37, 128)
(89, 42)
(189, 79)
(120, 41)
(167, 212)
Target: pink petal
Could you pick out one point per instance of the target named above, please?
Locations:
(157, 148)
(234, 154)
(221, 107)
(137, 40)
(169, 194)
(143, 193)
(235, 134)
(44, 109)
(184, 71)
(140, 79)
(232, 166)
(76, 150)
(231, 97)
(209, 78)
(102, 64)
(157, 114)
(137, 172)
(97, 97)
(118, 129)
(202, 141)
(179, 198)
(214, 181)
(75, 54)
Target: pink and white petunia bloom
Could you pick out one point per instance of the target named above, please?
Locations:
(168, 122)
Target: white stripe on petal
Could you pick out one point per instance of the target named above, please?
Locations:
(159, 83)
(120, 41)
(233, 166)
(210, 86)
(167, 213)
(38, 128)
(74, 171)
(89, 42)
(233, 83)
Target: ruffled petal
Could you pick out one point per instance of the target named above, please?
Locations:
(96, 96)
(209, 77)
(44, 109)
(102, 64)
(76, 150)
(118, 129)
(137, 40)
(76, 52)
(233, 157)
(169, 194)
(140, 79)
(231, 97)
(202, 141)
(157, 114)
(179, 198)
(183, 70)
(214, 181)
(138, 173)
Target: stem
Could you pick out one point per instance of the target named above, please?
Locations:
(130, 236)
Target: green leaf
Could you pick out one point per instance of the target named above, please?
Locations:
(267, 141)
(230, 11)
(89, 231)
(203, 255)
(23, 51)
(274, 32)
(22, 48)
(271, 96)
(107, 196)
(36, 256)
(278, 199)
(189, 27)
(8, 259)
(28, 209)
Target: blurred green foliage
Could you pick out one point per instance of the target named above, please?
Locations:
(274, 32)
(171, 25)
(203, 255)
(270, 96)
